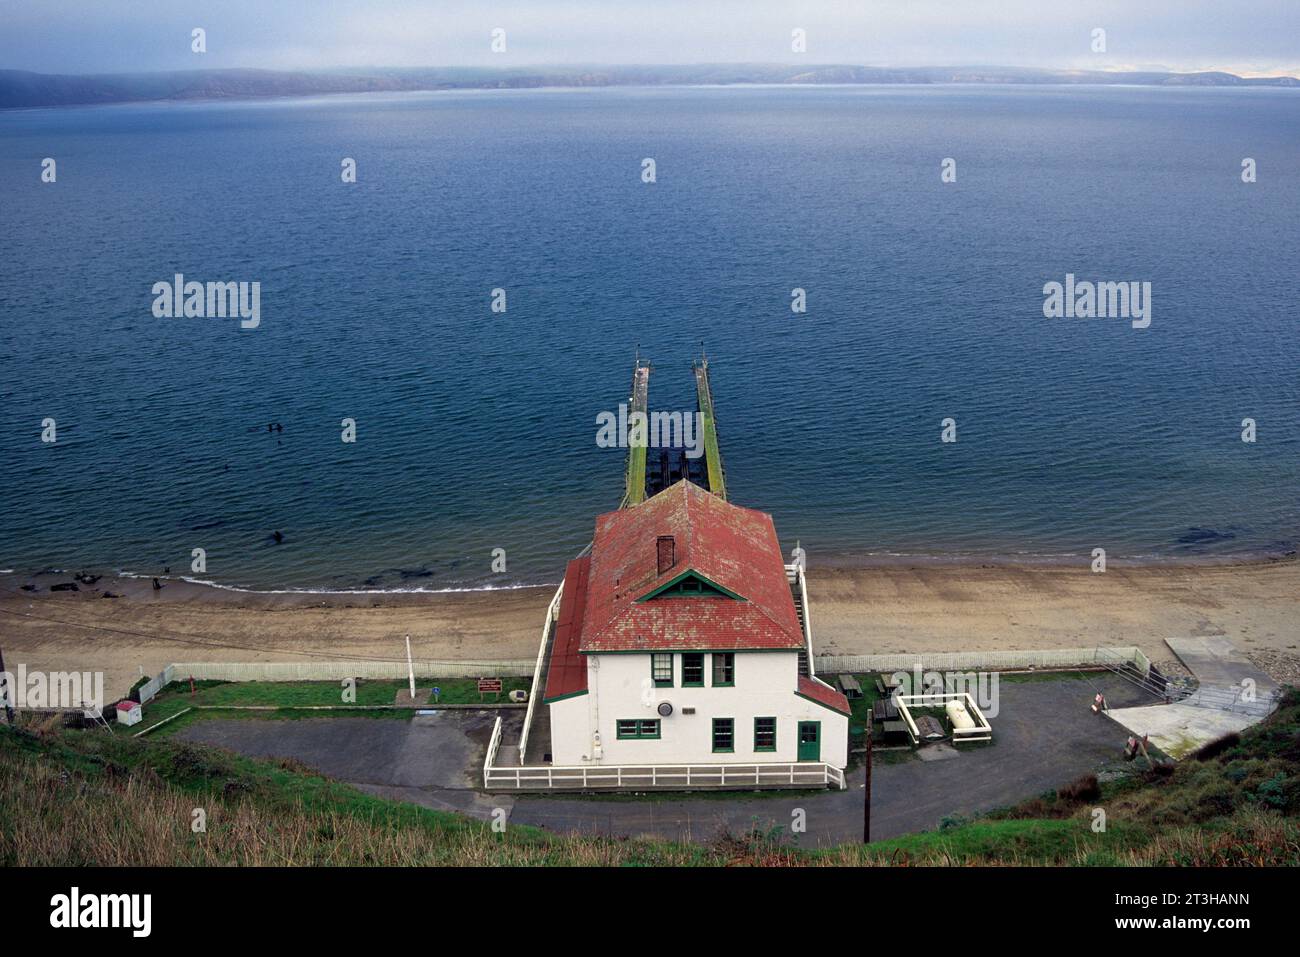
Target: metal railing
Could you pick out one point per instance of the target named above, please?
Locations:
(536, 690)
(494, 743)
(1129, 670)
(665, 776)
(982, 731)
(1236, 699)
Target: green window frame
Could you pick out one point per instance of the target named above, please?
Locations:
(693, 669)
(724, 735)
(637, 729)
(661, 670)
(724, 669)
(765, 734)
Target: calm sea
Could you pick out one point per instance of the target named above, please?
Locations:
(476, 430)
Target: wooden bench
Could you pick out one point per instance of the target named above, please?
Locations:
(892, 731)
(849, 685)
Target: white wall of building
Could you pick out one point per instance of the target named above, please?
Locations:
(619, 687)
(570, 731)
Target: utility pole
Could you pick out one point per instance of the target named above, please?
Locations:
(866, 799)
(410, 669)
(4, 690)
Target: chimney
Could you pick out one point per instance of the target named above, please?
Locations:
(666, 548)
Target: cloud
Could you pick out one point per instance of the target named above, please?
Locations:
(1254, 36)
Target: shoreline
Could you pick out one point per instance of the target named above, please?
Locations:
(128, 583)
(912, 607)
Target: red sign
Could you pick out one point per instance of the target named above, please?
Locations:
(489, 684)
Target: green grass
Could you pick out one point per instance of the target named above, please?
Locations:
(1007, 842)
(861, 707)
(90, 798)
(176, 697)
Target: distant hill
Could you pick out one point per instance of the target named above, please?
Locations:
(21, 89)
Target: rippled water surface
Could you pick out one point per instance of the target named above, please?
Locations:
(476, 430)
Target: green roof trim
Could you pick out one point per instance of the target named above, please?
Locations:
(691, 573)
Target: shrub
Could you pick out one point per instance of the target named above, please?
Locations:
(1270, 793)
(1080, 790)
(1218, 746)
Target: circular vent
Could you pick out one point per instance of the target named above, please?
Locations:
(665, 709)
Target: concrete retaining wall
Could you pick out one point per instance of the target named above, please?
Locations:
(1054, 658)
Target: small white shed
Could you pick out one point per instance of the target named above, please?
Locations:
(128, 712)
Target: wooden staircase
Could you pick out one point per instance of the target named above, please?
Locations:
(793, 578)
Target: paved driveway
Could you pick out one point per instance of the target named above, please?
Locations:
(1044, 736)
(435, 759)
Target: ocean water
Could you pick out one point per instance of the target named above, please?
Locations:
(476, 431)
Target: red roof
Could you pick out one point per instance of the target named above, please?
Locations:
(127, 705)
(823, 694)
(731, 547)
(566, 674)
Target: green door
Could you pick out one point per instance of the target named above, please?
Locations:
(810, 740)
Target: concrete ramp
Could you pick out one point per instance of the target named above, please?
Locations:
(1227, 678)
(1233, 694)
(1179, 729)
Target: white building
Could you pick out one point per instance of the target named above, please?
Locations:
(681, 639)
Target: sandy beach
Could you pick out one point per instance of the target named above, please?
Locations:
(881, 609)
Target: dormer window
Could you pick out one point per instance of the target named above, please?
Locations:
(690, 584)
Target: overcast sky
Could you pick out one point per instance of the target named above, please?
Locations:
(83, 36)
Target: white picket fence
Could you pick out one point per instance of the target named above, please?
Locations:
(338, 670)
(156, 684)
(1045, 659)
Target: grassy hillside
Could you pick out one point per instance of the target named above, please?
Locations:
(90, 798)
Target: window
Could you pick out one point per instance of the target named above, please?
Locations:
(724, 670)
(661, 670)
(638, 728)
(724, 734)
(765, 734)
(693, 669)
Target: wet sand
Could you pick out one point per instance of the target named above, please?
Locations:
(879, 609)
